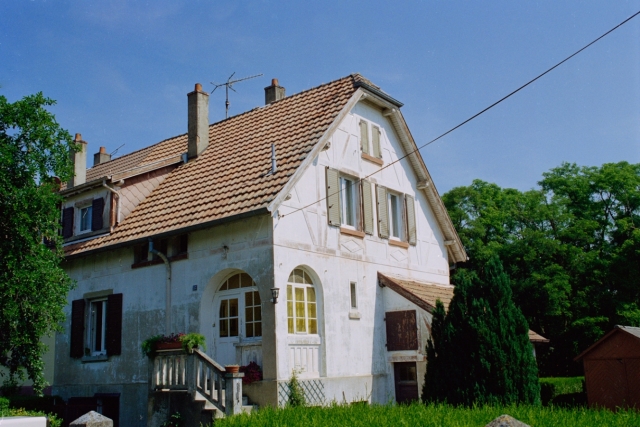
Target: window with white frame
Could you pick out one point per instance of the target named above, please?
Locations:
(302, 317)
(396, 216)
(240, 307)
(97, 327)
(86, 214)
(349, 202)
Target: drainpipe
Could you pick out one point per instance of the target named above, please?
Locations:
(164, 258)
(117, 193)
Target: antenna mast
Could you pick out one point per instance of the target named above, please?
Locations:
(229, 85)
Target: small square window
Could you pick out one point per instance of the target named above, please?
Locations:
(85, 218)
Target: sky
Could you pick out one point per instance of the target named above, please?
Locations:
(120, 71)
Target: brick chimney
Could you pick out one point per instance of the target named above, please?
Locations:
(198, 122)
(101, 156)
(79, 160)
(273, 93)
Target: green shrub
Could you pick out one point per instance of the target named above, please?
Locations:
(296, 393)
(5, 411)
(47, 404)
(554, 389)
(4, 404)
(193, 340)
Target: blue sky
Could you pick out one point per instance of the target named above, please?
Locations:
(120, 71)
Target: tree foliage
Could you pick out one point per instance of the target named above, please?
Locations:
(33, 287)
(479, 352)
(571, 249)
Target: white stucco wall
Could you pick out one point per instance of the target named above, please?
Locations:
(353, 358)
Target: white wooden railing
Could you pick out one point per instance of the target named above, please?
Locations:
(199, 375)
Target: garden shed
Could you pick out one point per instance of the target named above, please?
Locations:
(612, 369)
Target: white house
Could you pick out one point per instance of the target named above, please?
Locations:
(320, 197)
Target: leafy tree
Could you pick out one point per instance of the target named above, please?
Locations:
(33, 287)
(479, 352)
(571, 249)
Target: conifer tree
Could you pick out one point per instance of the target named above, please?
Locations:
(479, 352)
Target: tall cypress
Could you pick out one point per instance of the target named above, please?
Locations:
(479, 352)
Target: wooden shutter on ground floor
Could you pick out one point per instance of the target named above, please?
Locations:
(97, 208)
(375, 138)
(113, 335)
(367, 207)
(402, 330)
(364, 136)
(333, 197)
(412, 235)
(67, 222)
(383, 214)
(77, 328)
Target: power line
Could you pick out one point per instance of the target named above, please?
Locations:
(477, 114)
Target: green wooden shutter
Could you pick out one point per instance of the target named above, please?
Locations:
(411, 220)
(333, 197)
(367, 207)
(383, 214)
(376, 142)
(364, 136)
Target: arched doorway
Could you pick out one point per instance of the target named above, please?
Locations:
(237, 324)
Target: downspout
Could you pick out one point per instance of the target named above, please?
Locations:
(164, 258)
(117, 194)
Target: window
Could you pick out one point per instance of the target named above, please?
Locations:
(349, 203)
(232, 305)
(302, 317)
(396, 220)
(354, 301)
(85, 218)
(370, 146)
(96, 325)
(396, 217)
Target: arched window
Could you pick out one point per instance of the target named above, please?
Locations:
(231, 307)
(302, 315)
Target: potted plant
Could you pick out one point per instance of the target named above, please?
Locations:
(179, 341)
(232, 369)
(193, 340)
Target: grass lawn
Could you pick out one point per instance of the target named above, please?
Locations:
(429, 416)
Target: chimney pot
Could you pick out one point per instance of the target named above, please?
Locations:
(198, 122)
(78, 137)
(273, 93)
(101, 156)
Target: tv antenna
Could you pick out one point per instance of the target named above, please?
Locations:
(229, 85)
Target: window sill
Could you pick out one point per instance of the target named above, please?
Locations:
(351, 232)
(159, 261)
(355, 315)
(94, 359)
(372, 159)
(398, 243)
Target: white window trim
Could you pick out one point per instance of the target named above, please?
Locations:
(91, 331)
(79, 208)
(397, 215)
(349, 187)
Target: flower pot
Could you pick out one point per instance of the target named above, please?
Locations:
(168, 346)
(232, 369)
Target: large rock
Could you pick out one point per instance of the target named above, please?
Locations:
(92, 419)
(506, 421)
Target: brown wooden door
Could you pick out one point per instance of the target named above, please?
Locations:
(402, 330)
(406, 381)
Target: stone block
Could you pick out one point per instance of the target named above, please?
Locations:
(506, 421)
(92, 419)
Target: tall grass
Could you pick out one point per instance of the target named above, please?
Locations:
(428, 416)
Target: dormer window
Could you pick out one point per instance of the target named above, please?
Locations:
(83, 217)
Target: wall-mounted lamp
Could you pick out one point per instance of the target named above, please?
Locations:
(274, 293)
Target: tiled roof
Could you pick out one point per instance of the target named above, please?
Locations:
(231, 177)
(536, 337)
(423, 294)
